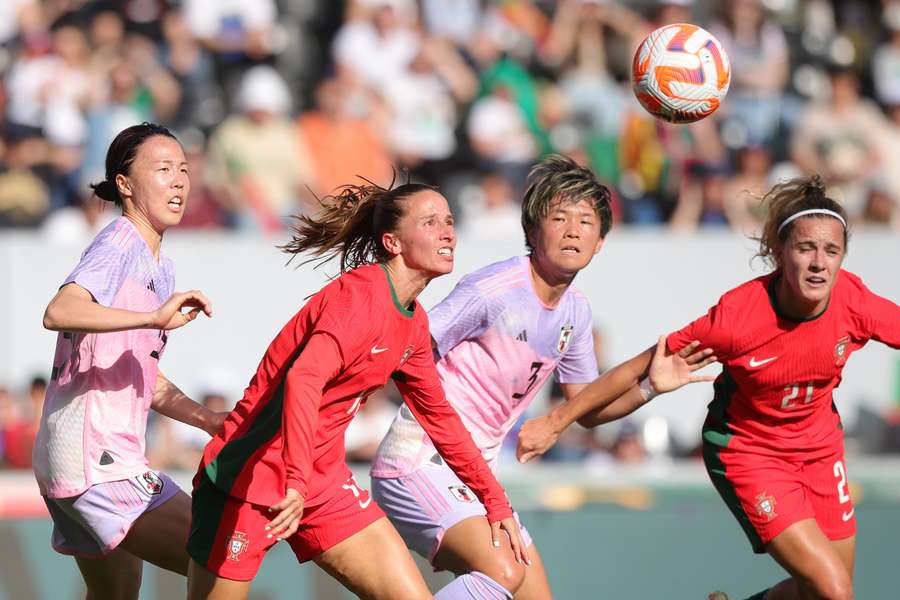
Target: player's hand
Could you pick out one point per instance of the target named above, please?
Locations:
(215, 421)
(535, 437)
(671, 370)
(285, 523)
(511, 528)
(169, 315)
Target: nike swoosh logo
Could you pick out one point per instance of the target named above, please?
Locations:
(366, 503)
(759, 363)
(377, 350)
(847, 516)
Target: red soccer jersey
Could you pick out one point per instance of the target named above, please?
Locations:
(774, 395)
(345, 343)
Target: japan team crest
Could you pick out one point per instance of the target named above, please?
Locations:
(840, 351)
(565, 337)
(237, 545)
(765, 506)
(461, 493)
(151, 482)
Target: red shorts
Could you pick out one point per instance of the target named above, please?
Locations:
(228, 535)
(767, 494)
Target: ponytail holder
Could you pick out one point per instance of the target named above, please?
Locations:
(811, 211)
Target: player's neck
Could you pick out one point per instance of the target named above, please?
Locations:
(407, 283)
(151, 237)
(797, 308)
(548, 287)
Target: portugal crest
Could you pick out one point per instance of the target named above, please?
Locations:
(237, 545)
(765, 506)
(406, 354)
(565, 336)
(840, 351)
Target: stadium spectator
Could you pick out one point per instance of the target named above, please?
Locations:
(841, 138)
(377, 44)
(256, 159)
(343, 130)
(757, 49)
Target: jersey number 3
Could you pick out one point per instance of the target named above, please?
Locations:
(535, 369)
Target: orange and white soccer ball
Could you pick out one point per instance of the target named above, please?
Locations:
(680, 73)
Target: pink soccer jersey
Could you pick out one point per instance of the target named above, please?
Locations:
(95, 412)
(498, 344)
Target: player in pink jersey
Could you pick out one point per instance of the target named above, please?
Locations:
(113, 313)
(499, 335)
(278, 472)
(773, 441)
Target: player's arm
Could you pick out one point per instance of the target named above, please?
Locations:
(418, 384)
(884, 316)
(616, 393)
(74, 309)
(170, 401)
(318, 362)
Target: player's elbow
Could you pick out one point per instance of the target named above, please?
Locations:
(589, 420)
(51, 317)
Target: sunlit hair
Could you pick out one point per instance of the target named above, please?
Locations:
(351, 224)
(560, 179)
(787, 199)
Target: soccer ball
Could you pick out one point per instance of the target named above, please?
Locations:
(681, 73)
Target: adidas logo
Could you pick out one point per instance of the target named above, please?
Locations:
(523, 336)
(151, 287)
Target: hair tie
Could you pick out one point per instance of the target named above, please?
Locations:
(811, 211)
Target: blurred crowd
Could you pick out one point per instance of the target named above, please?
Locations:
(279, 102)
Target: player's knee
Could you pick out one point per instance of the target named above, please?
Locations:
(833, 587)
(508, 573)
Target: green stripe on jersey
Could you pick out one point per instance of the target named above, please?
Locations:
(207, 506)
(716, 430)
(403, 310)
(716, 436)
(225, 468)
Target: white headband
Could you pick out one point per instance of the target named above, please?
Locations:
(812, 211)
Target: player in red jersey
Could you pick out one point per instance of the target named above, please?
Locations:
(772, 441)
(277, 470)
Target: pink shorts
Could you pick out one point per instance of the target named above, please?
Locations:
(424, 504)
(96, 521)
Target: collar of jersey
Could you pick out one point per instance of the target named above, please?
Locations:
(773, 300)
(403, 310)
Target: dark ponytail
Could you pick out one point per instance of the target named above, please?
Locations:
(121, 154)
(351, 224)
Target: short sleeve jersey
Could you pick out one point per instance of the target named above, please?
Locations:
(102, 384)
(378, 339)
(498, 344)
(774, 395)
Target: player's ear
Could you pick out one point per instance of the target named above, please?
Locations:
(123, 185)
(391, 243)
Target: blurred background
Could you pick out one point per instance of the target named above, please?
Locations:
(278, 102)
